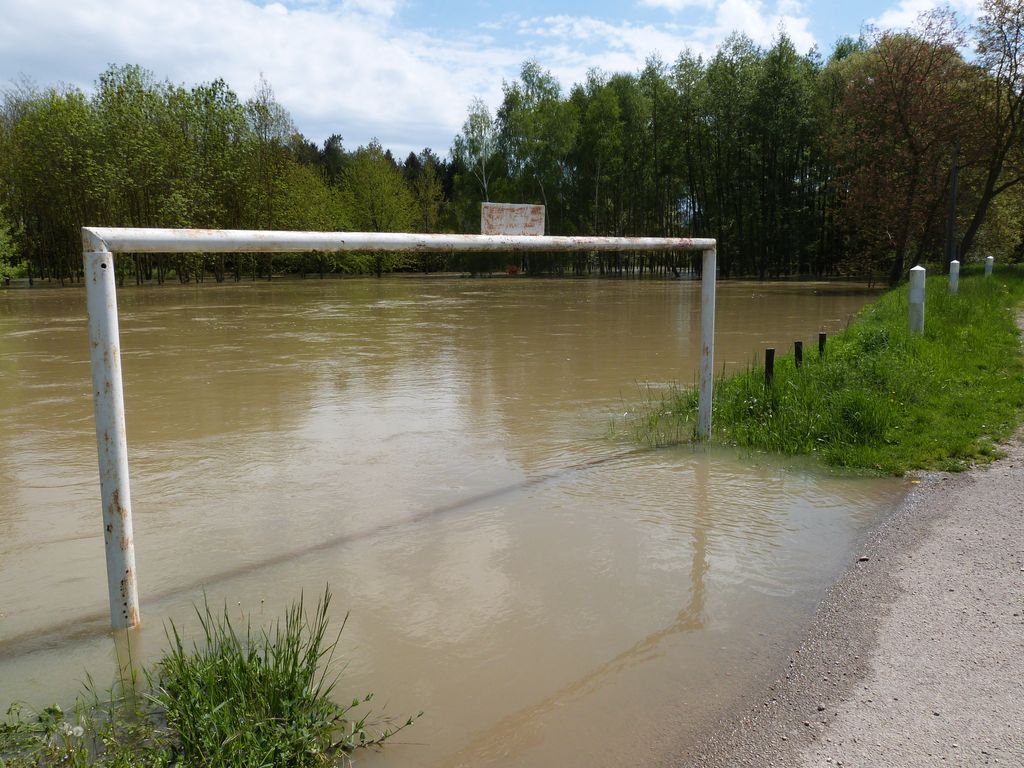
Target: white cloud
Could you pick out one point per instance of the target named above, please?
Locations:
(343, 68)
(570, 45)
(351, 66)
(676, 6)
(635, 41)
(749, 17)
(383, 8)
(904, 14)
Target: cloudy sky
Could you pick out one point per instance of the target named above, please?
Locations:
(399, 70)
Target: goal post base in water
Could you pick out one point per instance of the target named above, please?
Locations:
(99, 244)
(111, 440)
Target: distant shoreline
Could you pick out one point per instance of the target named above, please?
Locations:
(21, 283)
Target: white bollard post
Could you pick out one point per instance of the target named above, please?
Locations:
(707, 343)
(917, 275)
(111, 440)
(954, 277)
(989, 261)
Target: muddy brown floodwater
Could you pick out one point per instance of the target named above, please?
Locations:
(439, 452)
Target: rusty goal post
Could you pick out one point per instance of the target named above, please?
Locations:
(99, 244)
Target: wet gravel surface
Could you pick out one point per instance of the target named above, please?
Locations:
(916, 657)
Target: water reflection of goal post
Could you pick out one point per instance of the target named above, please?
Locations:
(99, 244)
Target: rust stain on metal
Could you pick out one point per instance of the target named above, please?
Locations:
(511, 219)
(128, 608)
(115, 504)
(148, 240)
(194, 233)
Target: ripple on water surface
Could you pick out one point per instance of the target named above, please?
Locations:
(437, 452)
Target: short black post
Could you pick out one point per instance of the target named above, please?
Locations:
(769, 366)
(821, 343)
(798, 353)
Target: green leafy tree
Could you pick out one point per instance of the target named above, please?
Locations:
(476, 146)
(56, 180)
(537, 131)
(208, 124)
(996, 135)
(8, 249)
(428, 193)
(783, 130)
(132, 154)
(899, 111)
(270, 131)
(598, 153)
(731, 77)
(378, 199)
(332, 159)
(689, 83)
(308, 203)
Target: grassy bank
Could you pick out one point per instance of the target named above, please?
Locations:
(881, 399)
(262, 698)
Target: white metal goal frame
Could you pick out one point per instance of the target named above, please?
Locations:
(99, 244)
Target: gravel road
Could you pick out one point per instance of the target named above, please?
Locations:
(916, 657)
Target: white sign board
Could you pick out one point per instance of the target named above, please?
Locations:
(511, 219)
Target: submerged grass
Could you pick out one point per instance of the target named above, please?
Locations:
(881, 399)
(254, 699)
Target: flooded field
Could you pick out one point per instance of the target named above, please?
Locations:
(439, 452)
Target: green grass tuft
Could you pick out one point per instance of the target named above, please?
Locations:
(882, 399)
(253, 699)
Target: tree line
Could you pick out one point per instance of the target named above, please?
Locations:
(144, 153)
(796, 164)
